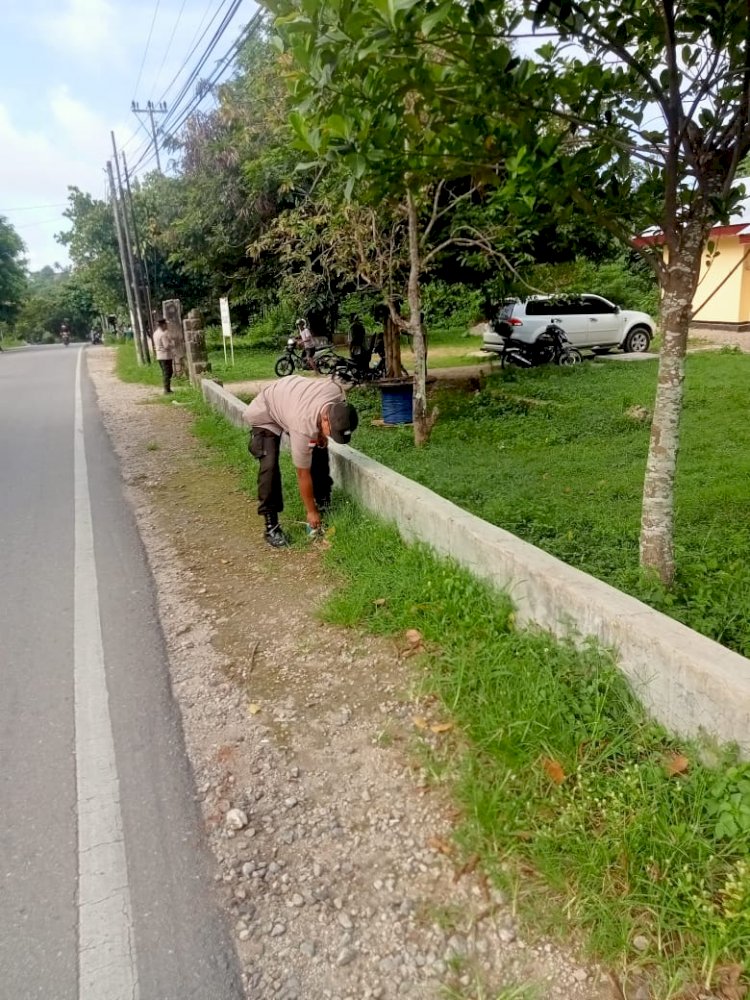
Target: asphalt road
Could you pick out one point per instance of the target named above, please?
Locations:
(106, 890)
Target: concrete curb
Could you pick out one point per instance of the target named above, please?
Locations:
(224, 401)
(688, 682)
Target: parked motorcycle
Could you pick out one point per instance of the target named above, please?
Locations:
(551, 346)
(295, 358)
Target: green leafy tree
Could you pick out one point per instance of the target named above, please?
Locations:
(54, 298)
(12, 272)
(657, 107)
(377, 88)
(92, 246)
(237, 174)
(641, 122)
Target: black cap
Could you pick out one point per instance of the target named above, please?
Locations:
(343, 419)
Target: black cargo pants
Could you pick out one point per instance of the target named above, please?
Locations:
(265, 446)
(167, 370)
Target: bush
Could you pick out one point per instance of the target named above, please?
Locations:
(47, 338)
(364, 304)
(454, 305)
(273, 327)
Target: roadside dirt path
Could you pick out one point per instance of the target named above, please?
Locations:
(332, 853)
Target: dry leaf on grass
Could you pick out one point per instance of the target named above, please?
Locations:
(440, 845)
(616, 986)
(467, 868)
(380, 602)
(730, 985)
(553, 769)
(420, 723)
(441, 727)
(675, 763)
(413, 643)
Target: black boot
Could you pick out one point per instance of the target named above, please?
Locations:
(274, 535)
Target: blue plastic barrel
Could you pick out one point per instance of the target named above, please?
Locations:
(398, 404)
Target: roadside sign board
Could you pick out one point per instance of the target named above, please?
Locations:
(226, 328)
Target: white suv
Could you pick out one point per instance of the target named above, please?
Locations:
(589, 321)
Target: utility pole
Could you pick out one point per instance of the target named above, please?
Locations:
(140, 259)
(127, 277)
(140, 330)
(151, 109)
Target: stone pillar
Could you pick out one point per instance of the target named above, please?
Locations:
(172, 312)
(195, 347)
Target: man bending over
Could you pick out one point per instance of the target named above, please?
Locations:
(309, 411)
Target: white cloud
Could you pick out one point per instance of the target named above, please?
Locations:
(83, 128)
(82, 28)
(36, 169)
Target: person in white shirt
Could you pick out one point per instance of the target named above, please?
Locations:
(164, 349)
(308, 343)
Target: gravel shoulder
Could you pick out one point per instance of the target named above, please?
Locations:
(332, 852)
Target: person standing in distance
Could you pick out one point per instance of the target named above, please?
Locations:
(357, 337)
(308, 343)
(164, 350)
(310, 412)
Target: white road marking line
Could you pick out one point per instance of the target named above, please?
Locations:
(106, 946)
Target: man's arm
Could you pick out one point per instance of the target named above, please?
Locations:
(305, 483)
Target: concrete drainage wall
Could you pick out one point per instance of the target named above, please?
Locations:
(689, 683)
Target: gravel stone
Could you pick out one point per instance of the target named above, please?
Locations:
(235, 819)
(332, 893)
(346, 956)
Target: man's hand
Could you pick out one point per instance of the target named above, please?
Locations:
(313, 518)
(304, 481)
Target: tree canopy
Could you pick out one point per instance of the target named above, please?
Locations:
(12, 272)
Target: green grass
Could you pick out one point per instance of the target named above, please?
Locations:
(551, 455)
(128, 369)
(452, 347)
(562, 780)
(250, 363)
(618, 849)
(8, 342)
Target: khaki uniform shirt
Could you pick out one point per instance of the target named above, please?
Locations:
(292, 406)
(163, 344)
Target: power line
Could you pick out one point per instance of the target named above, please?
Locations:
(177, 117)
(134, 134)
(192, 51)
(215, 39)
(142, 151)
(32, 208)
(169, 43)
(41, 222)
(151, 109)
(145, 51)
(221, 66)
(214, 79)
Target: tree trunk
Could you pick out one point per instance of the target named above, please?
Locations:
(392, 343)
(422, 423)
(657, 516)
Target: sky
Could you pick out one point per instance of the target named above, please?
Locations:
(69, 70)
